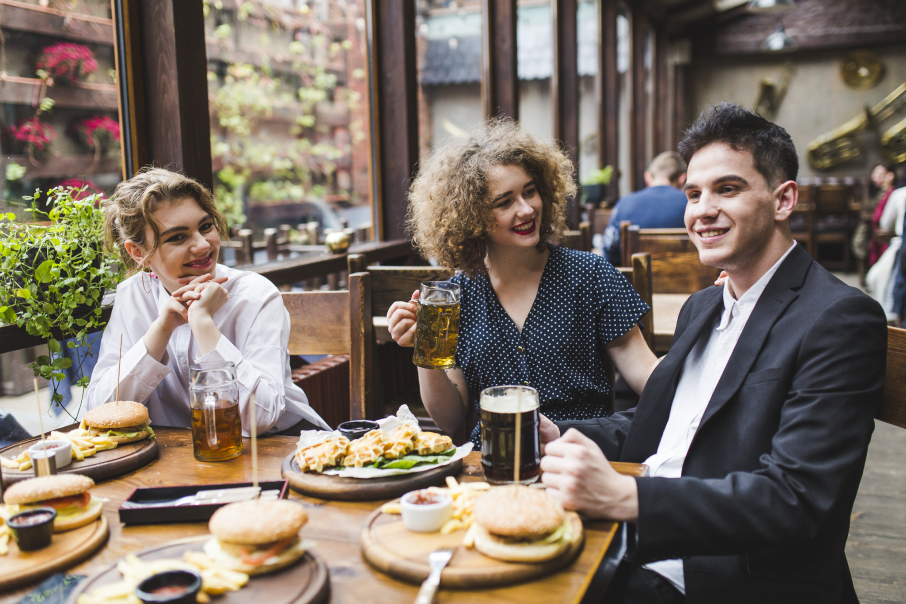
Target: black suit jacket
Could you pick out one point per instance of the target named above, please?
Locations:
(761, 513)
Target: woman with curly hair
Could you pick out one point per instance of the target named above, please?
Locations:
(188, 310)
(532, 312)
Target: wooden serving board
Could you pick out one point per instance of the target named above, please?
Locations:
(101, 465)
(306, 582)
(65, 550)
(392, 549)
(359, 489)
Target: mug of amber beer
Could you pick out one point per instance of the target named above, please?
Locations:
(437, 325)
(216, 425)
(501, 408)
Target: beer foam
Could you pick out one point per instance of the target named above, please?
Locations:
(509, 403)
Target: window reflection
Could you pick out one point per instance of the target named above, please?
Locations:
(289, 120)
(624, 100)
(535, 56)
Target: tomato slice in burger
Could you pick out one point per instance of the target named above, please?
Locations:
(270, 552)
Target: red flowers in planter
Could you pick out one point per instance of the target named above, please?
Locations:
(101, 130)
(84, 187)
(32, 136)
(67, 61)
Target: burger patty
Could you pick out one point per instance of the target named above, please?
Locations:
(59, 503)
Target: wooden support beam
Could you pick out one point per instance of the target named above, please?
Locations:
(663, 141)
(606, 91)
(500, 79)
(565, 89)
(175, 85)
(394, 111)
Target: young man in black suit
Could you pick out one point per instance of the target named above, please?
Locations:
(756, 424)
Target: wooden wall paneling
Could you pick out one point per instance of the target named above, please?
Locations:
(680, 102)
(565, 89)
(127, 54)
(395, 110)
(606, 90)
(174, 74)
(639, 29)
(499, 77)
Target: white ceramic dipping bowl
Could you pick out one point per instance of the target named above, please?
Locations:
(62, 451)
(428, 516)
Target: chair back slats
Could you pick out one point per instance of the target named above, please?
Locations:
(833, 199)
(361, 379)
(392, 284)
(319, 322)
(675, 265)
(579, 239)
(893, 399)
(639, 276)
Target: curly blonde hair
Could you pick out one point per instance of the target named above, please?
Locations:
(129, 211)
(450, 210)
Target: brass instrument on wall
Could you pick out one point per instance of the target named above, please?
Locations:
(893, 143)
(840, 145)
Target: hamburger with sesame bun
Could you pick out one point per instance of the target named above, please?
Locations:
(121, 422)
(520, 524)
(257, 537)
(66, 493)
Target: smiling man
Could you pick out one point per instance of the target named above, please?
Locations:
(756, 424)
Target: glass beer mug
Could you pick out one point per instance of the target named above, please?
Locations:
(216, 425)
(501, 408)
(437, 330)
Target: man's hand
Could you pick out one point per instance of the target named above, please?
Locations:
(576, 472)
(549, 432)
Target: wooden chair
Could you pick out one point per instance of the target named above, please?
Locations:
(578, 240)
(834, 223)
(802, 221)
(336, 323)
(675, 267)
(893, 398)
(639, 276)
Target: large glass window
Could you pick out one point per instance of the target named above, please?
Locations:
(448, 39)
(289, 117)
(58, 97)
(535, 55)
(588, 58)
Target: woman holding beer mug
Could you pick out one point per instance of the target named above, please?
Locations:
(189, 310)
(532, 313)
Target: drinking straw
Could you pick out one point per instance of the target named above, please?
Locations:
(254, 444)
(118, 363)
(41, 423)
(517, 461)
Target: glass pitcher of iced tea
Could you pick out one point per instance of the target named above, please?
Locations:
(216, 425)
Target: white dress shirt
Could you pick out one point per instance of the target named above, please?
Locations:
(702, 370)
(254, 326)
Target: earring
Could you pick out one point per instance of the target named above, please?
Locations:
(148, 289)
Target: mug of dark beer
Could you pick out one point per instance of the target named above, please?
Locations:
(437, 325)
(501, 408)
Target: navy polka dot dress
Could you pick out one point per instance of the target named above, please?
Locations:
(582, 304)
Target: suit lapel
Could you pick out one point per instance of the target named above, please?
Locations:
(653, 410)
(777, 296)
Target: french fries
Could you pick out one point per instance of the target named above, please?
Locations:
(463, 494)
(4, 539)
(215, 580)
(83, 446)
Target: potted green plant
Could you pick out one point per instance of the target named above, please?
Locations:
(54, 275)
(593, 186)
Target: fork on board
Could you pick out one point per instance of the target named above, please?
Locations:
(437, 560)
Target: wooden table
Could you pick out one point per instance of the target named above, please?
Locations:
(666, 311)
(334, 526)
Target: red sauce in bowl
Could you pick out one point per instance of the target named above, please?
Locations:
(170, 590)
(31, 519)
(425, 498)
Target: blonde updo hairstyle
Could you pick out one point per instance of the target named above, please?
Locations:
(130, 210)
(450, 209)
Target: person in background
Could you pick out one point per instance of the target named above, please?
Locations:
(533, 313)
(882, 186)
(880, 278)
(755, 426)
(190, 310)
(660, 205)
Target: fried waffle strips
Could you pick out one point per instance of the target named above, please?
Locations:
(400, 442)
(365, 450)
(429, 443)
(324, 454)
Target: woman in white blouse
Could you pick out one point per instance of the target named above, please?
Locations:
(190, 309)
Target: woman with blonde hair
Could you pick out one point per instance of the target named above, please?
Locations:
(190, 309)
(532, 312)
